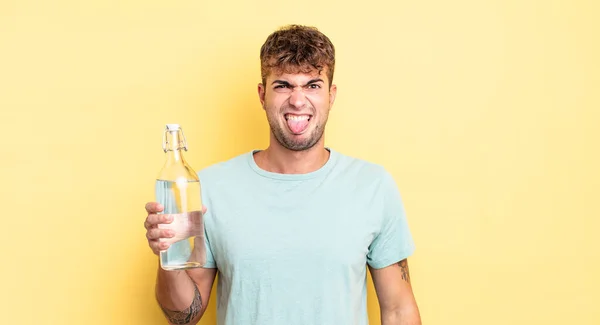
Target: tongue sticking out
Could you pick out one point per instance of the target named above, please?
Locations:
(297, 126)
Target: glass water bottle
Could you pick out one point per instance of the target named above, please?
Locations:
(178, 190)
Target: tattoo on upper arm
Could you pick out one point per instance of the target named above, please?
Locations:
(187, 315)
(404, 268)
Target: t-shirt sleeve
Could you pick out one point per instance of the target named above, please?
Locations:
(210, 259)
(394, 241)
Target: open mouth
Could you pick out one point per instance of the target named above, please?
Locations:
(297, 123)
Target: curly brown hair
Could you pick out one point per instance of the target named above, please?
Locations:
(297, 48)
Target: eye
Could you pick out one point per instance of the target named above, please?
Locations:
(314, 86)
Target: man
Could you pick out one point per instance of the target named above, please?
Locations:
(292, 229)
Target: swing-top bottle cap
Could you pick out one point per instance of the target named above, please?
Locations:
(173, 138)
(172, 127)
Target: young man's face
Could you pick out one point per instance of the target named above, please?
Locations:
(297, 107)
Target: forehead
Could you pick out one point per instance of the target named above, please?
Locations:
(296, 75)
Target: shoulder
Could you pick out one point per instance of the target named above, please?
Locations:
(362, 169)
(229, 168)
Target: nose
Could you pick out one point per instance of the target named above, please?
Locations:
(298, 98)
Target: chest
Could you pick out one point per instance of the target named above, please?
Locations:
(327, 229)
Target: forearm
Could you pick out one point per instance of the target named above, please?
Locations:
(178, 297)
(409, 315)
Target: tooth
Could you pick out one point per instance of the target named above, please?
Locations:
(297, 117)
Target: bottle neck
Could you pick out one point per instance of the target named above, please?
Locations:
(174, 156)
(174, 144)
(176, 167)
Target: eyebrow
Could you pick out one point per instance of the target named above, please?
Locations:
(283, 82)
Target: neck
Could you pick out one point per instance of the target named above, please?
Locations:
(277, 159)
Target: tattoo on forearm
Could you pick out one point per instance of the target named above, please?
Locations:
(404, 268)
(187, 315)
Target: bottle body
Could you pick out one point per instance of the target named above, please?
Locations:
(182, 199)
(178, 189)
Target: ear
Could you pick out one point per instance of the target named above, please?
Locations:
(261, 94)
(332, 94)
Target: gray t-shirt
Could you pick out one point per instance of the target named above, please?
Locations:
(293, 249)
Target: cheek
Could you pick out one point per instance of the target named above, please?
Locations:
(273, 100)
(272, 108)
(319, 102)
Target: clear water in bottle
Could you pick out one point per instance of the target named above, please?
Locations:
(182, 200)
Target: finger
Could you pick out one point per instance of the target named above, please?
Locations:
(147, 224)
(155, 219)
(158, 246)
(156, 233)
(204, 209)
(154, 207)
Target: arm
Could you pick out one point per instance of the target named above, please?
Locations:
(394, 292)
(183, 295)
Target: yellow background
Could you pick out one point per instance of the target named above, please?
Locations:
(486, 113)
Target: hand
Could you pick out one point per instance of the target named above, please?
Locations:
(159, 232)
